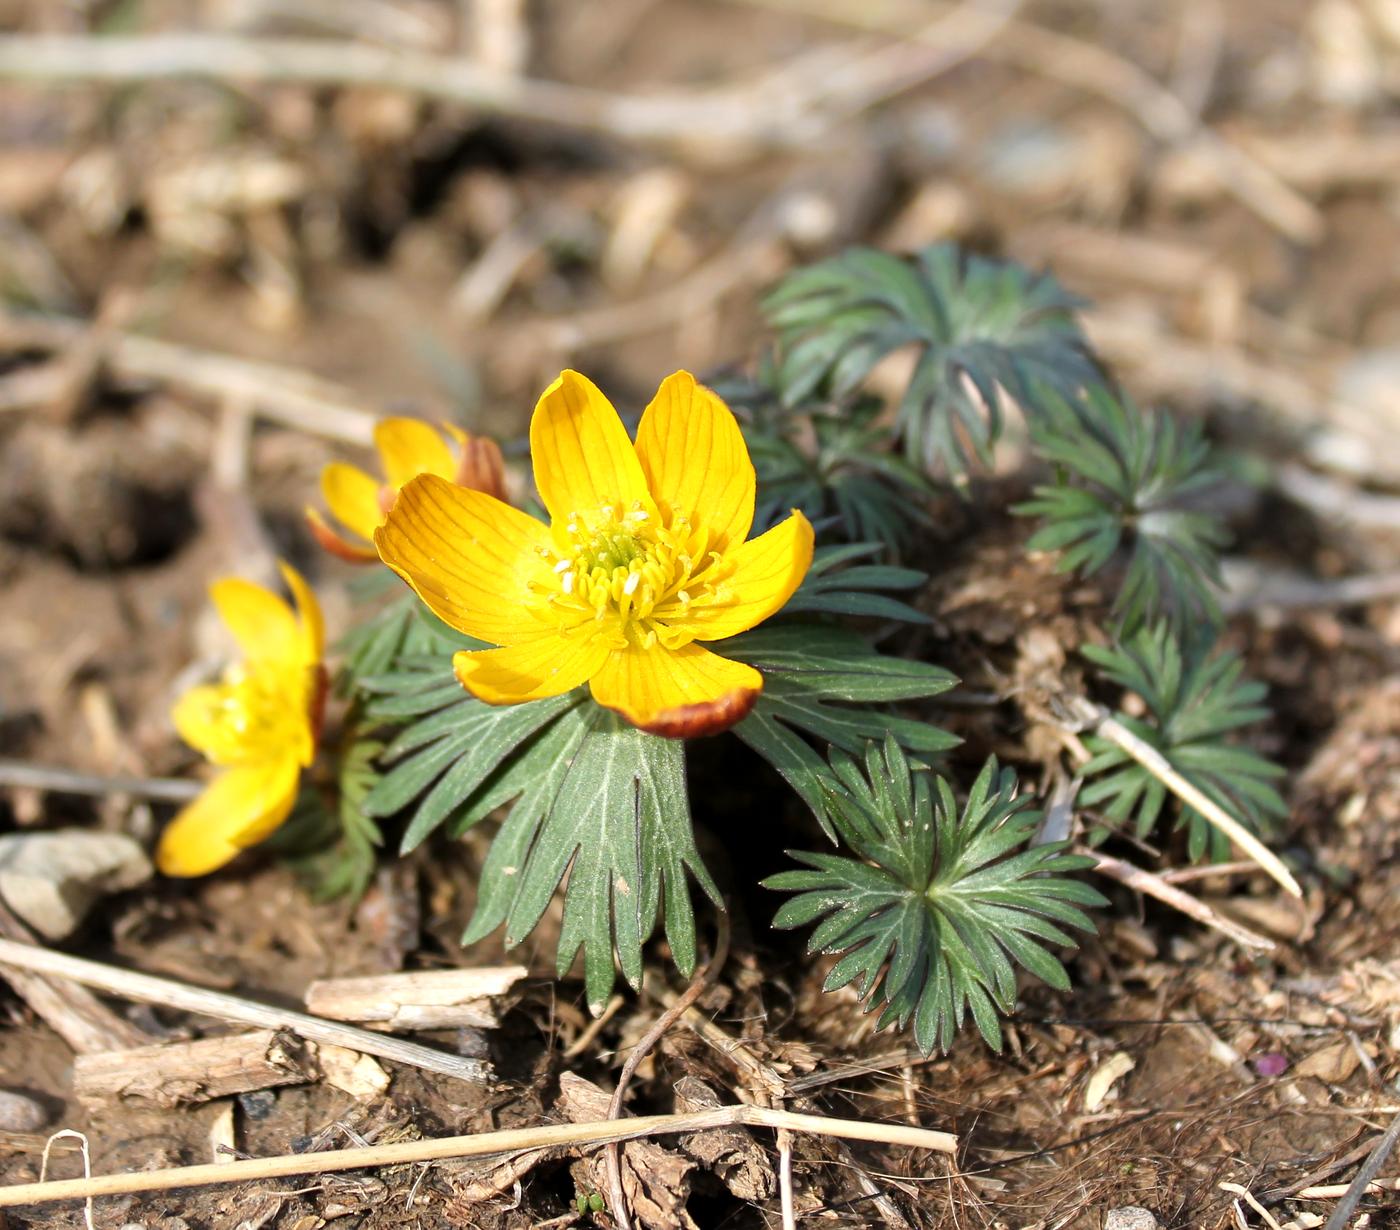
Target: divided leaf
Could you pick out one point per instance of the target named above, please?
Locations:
(830, 684)
(942, 904)
(982, 329)
(1194, 701)
(594, 799)
(1123, 481)
(833, 463)
(334, 853)
(836, 585)
(605, 803)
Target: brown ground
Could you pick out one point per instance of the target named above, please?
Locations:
(353, 234)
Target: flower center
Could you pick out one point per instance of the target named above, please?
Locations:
(629, 575)
(254, 713)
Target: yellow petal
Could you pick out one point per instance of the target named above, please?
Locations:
(237, 809)
(679, 693)
(262, 624)
(582, 457)
(547, 666)
(328, 540)
(695, 459)
(469, 557)
(312, 622)
(766, 571)
(409, 447)
(353, 498)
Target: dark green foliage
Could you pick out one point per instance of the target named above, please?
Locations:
(832, 463)
(1194, 700)
(402, 627)
(606, 803)
(941, 905)
(1122, 482)
(592, 797)
(982, 329)
(836, 585)
(829, 684)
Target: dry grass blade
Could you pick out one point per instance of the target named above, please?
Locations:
(1341, 1215)
(1091, 716)
(479, 1145)
(1154, 886)
(643, 1048)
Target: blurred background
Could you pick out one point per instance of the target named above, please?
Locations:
(234, 232)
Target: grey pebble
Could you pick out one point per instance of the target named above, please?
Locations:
(1130, 1217)
(21, 1113)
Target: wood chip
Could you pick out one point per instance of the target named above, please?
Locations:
(420, 999)
(732, 1153)
(179, 1073)
(655, 1179)
(1104, 1077)
(221, 1135)
(1333, 1063)
(361, 1076)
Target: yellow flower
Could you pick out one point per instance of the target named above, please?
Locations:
(406, 447)
(644, 558)
(259, 725)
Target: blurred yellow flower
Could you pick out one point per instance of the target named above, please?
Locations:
(259, 725)
(406, 447)
(644, 558)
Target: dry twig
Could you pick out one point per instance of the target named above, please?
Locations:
(1341, 1215)
(67, 781)
(72, 1012)
(280, 394)
(147, 989)
(791, 107)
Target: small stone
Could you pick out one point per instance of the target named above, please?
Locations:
(1029, 157)
(51, 880)
(1130, 1217)
(257, 1105)
(21, 1113)
(1371, 383)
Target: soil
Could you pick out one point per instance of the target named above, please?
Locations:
(123, 498)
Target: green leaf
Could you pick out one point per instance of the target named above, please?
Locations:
(981, 330)
(369, 648)
(830, 684)
(941, 904)
(1123, 484)
(832, 462)
(836, 585)
(451, 759)
(605, 803)
(1194, 701)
